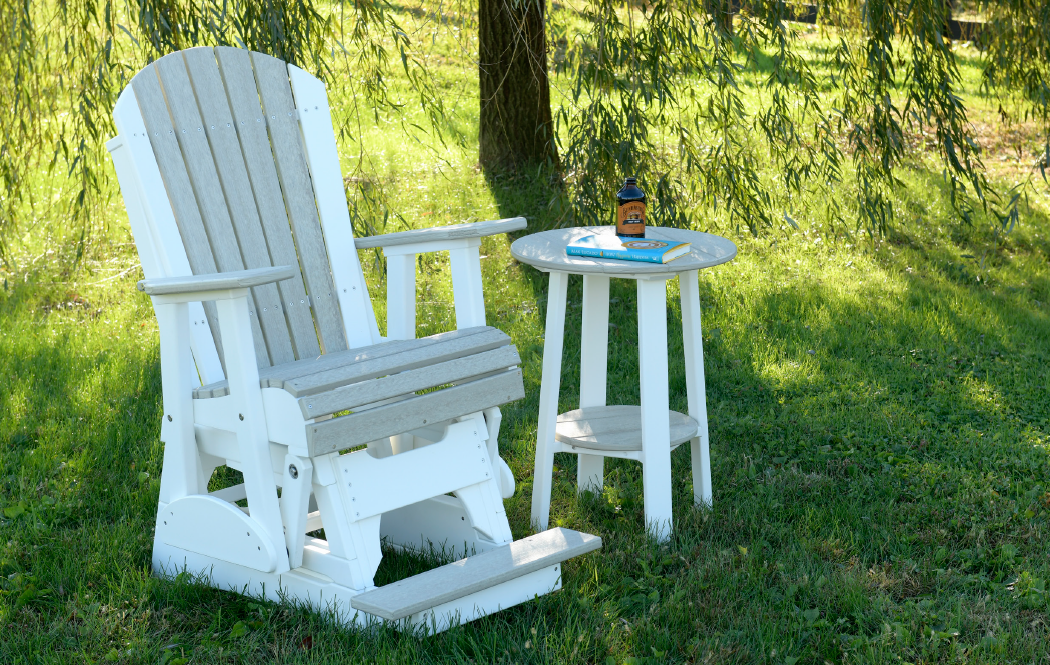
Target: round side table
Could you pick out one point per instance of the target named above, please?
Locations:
(646, 433)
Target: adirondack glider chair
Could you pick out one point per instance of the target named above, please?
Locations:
(273, 364)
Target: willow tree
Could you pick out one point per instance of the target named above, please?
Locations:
(650, 87)
(515, 107)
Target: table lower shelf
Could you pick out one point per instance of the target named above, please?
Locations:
(614, 431)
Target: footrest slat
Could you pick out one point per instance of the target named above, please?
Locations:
(466, 576)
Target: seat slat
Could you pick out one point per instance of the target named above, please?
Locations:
(221, 131)
(406, 383)
(412, 358)
(176, 179)
(200, 164)
(243, 96)
(271, 76)
(282, 375)
(413, 413)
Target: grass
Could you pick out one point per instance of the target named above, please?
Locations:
(880, 423)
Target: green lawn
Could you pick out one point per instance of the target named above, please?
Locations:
(880, 430)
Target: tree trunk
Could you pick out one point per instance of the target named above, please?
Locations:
(515, 94)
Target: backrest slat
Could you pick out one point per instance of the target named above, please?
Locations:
(200, 165)
(226, 150)
(322, 156)
(271, 76)
(243, 97)
(177, 183)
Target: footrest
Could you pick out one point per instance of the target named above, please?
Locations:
(468, 576)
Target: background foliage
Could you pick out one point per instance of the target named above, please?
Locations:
(650, 88)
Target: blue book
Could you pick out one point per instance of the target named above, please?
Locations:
(649, 250)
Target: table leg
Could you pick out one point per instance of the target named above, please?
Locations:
(696, 386)
(594, 346)
(656, 434)
(550, 384)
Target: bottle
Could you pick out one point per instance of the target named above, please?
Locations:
(630, 210)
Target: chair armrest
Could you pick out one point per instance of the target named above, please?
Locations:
(442, 233)
(221, 281)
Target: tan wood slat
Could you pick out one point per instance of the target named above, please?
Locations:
(413, 413)
(275, 377)
(616, 428)
(243, 97)
(200, 165)
(461, 578)
(406, 383)
(412, 358)
(172, 168)
(221, 131)
(271, 76)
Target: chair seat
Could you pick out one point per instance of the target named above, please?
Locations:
(475, 369)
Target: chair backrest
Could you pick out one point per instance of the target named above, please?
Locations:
(231, 163)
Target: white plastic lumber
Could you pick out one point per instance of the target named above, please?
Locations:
(220, 281)
(484, 507)
(271, 76)
(429, 247)
(325, 593)
(408, 382)
(243, 97)
(212, 527)
(692, 333)
(149, 257)
(179, 474)
(455, 580)
(550, 386)
(208, 191)
(439, 522)
(616, 428)
(375, 486)
(295, 500)
(505, 477)
(409, 414)
(221, 132)
(656, 435)
(401, 296)
(594, 349)
(546, 251)
(467, 291)
(250, 426)
(231, 494)
(439, 233)
(322, 156)
(153, 222)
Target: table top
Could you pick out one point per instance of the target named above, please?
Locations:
(546, 251)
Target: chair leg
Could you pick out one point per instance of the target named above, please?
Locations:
(295, 499)
(345, 541)
(504, 476)
(179, 475)
(484, 507)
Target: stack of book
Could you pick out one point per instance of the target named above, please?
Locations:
(649, 250)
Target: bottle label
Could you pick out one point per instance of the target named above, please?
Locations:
(631, 218)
